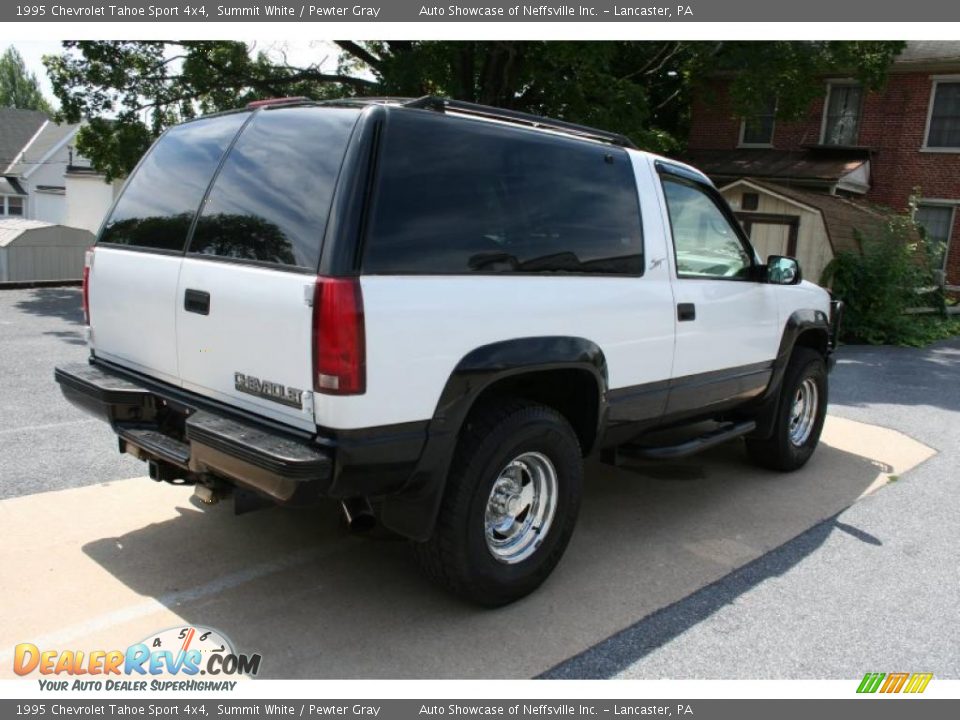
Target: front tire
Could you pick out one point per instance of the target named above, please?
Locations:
(801, 410)
(510, 505)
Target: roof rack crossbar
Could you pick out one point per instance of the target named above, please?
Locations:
(440, 104)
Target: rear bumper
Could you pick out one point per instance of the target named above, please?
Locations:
(154, 424)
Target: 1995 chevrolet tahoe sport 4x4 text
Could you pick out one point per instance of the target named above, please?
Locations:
(433, 311)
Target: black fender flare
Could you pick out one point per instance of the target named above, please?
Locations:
(799, 322)
(413, 511)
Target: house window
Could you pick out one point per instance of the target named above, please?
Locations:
(841, 122)
(11, 205)
(936, 221)
(943, 130)
(757, 130)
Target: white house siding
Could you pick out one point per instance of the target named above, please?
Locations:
(44, 205)
(89, 199)
(48, 207)
(42, 170)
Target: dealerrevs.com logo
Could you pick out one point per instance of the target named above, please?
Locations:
(173, 659)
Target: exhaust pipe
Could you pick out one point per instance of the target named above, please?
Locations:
(358, 514)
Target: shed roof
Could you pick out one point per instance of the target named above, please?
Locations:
(13, 228)
(811, 165)
(16, 129)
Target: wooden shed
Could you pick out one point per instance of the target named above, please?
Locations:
(802, 223)
(35, 251)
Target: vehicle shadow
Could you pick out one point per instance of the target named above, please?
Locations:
(667, 543)
(64, 303)
(68, 336)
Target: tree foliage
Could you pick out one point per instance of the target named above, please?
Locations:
(893, 275)
(132, 90)
(19, 88)
(791, 72)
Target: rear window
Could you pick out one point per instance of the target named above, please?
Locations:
(459, 196)
(271, 199)
(161, 198)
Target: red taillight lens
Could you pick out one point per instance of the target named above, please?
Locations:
(87, 265)
(339, 355)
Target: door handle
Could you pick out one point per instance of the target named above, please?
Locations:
(196, 301)
(686, 312)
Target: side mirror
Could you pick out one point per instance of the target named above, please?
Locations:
(783, 270)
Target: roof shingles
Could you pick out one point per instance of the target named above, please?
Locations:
(17, 127)
(49, 137)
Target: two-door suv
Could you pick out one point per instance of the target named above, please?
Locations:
(433, 311)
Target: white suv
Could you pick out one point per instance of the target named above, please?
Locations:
(433, 311)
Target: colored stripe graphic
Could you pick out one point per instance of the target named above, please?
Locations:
(918, 682)
(895, 682)
(870, 682)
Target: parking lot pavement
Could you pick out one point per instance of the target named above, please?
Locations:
(105, 565)
(46, 443)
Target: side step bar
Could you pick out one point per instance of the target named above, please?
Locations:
(689, 447)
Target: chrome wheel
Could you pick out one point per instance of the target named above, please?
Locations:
(803, 411)
(521, 507)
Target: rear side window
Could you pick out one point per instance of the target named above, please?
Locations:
(271, 199)
(463, 196)
(160, 200)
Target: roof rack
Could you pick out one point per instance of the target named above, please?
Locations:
(441, 104)
(371, 100)
(269, 102)
(431, 102)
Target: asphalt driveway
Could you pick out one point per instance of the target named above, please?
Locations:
(876, 588)
(46, 443)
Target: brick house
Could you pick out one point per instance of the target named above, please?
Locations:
(855, 146)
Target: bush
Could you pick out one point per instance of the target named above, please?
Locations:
(892, 276)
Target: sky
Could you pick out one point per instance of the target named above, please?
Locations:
(298, 52)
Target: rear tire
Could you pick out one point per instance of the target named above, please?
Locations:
(511, 502)
(801, 409)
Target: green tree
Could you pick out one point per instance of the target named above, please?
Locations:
(892, 275)
(131, 91)
(19, 87)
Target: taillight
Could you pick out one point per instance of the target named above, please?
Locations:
(339, 355)
(87, 265)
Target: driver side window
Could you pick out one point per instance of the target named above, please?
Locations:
(705, 243)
